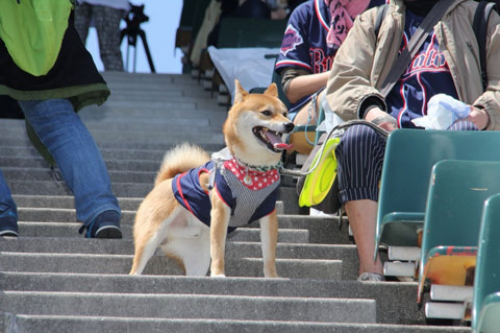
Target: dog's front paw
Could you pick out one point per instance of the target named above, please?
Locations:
(218, 275)
(270, 271)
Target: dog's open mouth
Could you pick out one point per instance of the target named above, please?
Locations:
(270, 138)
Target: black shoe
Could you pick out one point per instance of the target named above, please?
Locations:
(8, 223)
(108, 231)
(106, 225)
(8, 233)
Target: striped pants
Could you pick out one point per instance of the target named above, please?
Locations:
(107, 23)
(360, 157)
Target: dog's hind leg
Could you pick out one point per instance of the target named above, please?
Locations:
(192, 252)
(147, 241)
(142, 255)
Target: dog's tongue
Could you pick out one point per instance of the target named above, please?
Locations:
(276, 141)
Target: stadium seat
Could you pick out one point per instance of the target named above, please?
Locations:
(410, 156)
(192, 15)
(486, 301)
(457, 192)
(241, 32)
(275, 78)
(183, 34)
(251, 32)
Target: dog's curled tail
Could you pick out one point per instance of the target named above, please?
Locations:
(180, 159)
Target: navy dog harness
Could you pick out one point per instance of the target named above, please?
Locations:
(251, 194)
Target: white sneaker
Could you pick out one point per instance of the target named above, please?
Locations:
(318, 213)
(370, 277)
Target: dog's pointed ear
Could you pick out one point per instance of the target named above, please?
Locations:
(239, 93)
(272, 90)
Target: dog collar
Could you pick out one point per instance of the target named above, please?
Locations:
(263, 168)
(251, 176)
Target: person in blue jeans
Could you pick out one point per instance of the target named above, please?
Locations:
(51, 79)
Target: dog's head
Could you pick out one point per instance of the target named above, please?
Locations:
(255, 125)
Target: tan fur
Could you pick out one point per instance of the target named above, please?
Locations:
(181, 159)
(162, 222)
(177, 259)
(219, 217)
(233, 125)
(269, 229)
(151, 215)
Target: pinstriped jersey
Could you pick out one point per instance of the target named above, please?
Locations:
(247, 203)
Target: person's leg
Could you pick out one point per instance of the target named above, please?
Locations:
(107, 22)
(463, 125)
(61, 130)
(8, 210)
(362, 215)
(360, 158)
(83, 13)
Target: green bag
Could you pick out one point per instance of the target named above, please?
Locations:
(33, 30)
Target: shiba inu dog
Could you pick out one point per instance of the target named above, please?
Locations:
(197, 200)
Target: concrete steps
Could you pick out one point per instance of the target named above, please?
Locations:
(41, 214)
(159, 265)
(151, 284)
(56, 229)
(25, 174)
(65, 202)
(54, 280)
(188, 306)
(26, 323)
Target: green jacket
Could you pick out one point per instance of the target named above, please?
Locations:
(42, 57)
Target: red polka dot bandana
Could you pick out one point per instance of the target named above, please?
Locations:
(253, 179)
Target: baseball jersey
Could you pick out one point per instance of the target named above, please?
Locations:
(249, 198)
(304, 42)
(427, 75)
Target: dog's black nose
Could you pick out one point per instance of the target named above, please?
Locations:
(289, 127)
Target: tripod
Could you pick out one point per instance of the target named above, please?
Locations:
(134, 19)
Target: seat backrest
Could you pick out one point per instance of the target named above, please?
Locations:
(193, 14)
(457, 192)
(250, 32)
(410, 156)
(187, 13)
(276, 78)
(487, 275)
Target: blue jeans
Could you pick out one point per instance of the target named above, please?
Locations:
(61, 130)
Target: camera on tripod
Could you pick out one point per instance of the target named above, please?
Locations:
(134, 18)
(136, 15)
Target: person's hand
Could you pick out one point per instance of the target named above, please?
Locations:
(478, 117)
(381, 119)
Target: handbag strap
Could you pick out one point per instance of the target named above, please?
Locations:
(416, 41)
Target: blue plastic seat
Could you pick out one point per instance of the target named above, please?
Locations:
(457, 192)
(486, 301)
(410, 156)
(251, 32)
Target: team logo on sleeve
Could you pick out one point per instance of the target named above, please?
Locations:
(291, 40)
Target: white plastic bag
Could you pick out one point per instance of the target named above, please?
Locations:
(442, 112)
